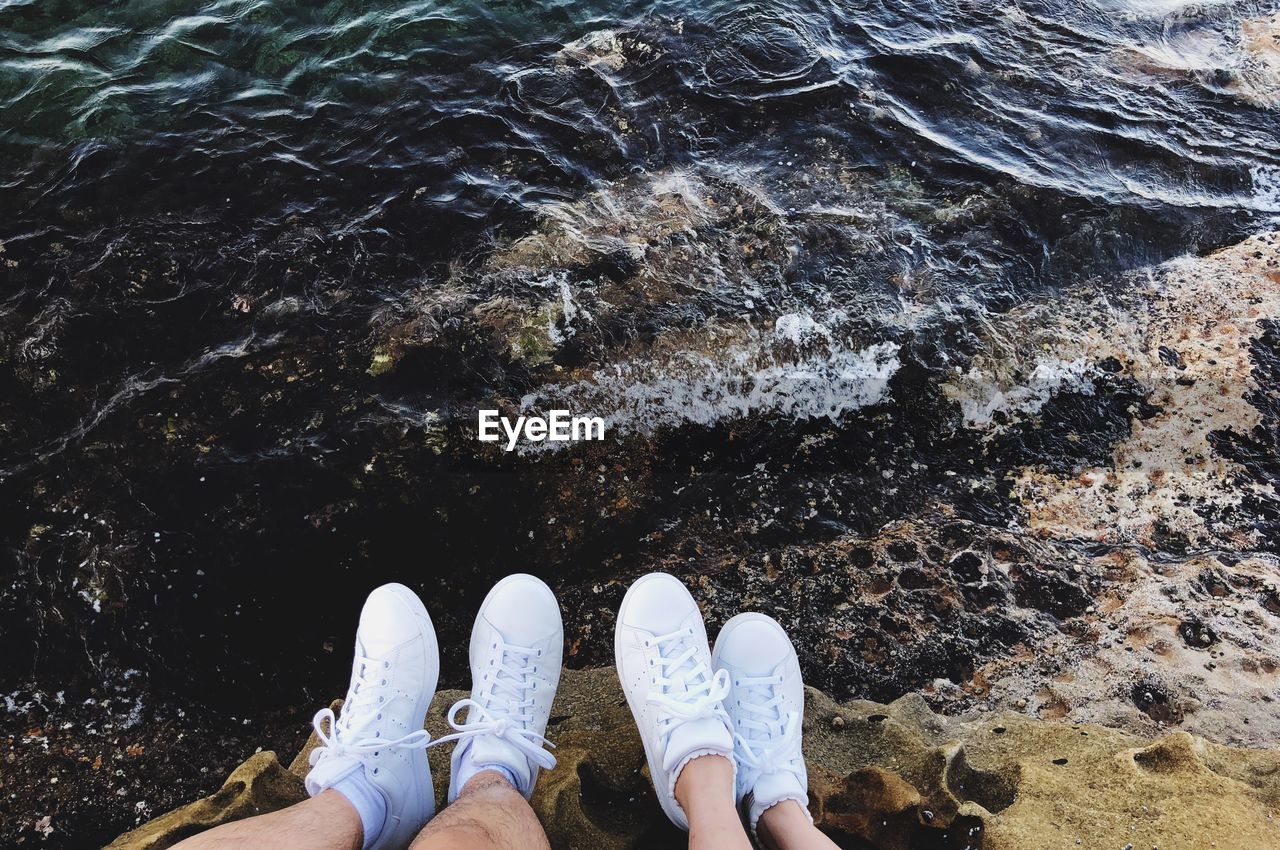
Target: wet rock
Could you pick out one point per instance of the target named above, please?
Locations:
(1195, 317)
(1240, 57)
(1259, 80)
(888, 777)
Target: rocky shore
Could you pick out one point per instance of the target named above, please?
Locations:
(948, 334)
(1074, 530)
(887, 777)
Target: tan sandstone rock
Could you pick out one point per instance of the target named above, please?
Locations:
(258, 786)
(889, 777)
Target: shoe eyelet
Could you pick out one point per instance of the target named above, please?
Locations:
(384, 683)
(379, 716)
(539, 653)
(375, 771)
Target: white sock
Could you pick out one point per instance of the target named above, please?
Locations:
(467, 769)
(367, 800)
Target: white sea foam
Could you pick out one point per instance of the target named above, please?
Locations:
(801, 371)
(981, 396)
(1266, 187)
(799, 329)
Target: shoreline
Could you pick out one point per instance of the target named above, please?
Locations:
(1140, 597)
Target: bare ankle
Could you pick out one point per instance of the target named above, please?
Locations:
(707, 779)
(786, 819)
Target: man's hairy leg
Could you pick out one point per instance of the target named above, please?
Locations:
(489, 814)
(324, 822)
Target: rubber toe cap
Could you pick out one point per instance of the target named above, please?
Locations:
(523, 610)
(389, 618)
(658, 603)
(753, 644)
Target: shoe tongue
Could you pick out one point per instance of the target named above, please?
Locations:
(328, 772)
(705, 735)
(490, 750)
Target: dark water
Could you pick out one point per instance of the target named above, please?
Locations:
(217, 219)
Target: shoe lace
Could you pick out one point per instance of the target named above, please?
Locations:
(505, 707)
(361, 708)
(766, 745)
(683, 688)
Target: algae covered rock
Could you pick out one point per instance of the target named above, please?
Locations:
(889, 777)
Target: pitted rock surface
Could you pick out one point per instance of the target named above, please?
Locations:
(887, 777)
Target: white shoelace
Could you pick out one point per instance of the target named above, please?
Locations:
(506, 706)
(336, 745)
(365, 697)
(492, 717)
(690, 692)
(762, 707)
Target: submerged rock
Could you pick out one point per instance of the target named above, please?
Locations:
(888, 777)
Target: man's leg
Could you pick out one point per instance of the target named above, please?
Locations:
(324, 822)
(705, 792)
(516, 647)
(370, 783)
(489, 814)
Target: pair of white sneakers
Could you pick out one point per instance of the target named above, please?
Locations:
(743, 701)
(516, 646)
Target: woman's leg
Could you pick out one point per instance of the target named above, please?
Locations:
(705, 792)
(766, 702)
(786, 826)
(664, 664)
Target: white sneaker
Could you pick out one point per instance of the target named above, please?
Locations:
(766, 703)
(393, 679)
(516, 646)
(665, 667)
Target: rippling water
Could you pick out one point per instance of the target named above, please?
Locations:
(240, 240)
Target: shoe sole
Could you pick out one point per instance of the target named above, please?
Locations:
(425, 787)
(480, 613)
(669, 806)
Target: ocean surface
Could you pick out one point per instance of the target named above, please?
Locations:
(260, 262)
